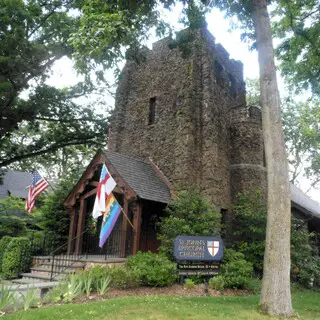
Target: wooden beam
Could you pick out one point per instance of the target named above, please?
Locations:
(72, 229)
(90, 193)
(124, 228)
(82, 213)
(137, 218)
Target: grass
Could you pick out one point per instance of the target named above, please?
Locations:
(164, 307)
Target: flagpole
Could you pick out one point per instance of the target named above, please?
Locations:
(124, 214)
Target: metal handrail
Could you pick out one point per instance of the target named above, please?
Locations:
(68, 261)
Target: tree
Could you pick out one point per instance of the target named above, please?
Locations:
(301, 126)
(301, 130)
(189, 214)
(34, 34)
(101, 23)
(297, 24)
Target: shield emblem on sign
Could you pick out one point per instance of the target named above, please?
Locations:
(213, 247)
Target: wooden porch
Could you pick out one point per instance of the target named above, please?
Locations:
(137, 185)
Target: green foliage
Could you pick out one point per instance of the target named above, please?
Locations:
(29, 298)
(216, 283)
(305, 264)
(255, 285)
(297, 25)
(73, 288)
(6, 297)
(123, 278)
(13, 217)
(34, 35)
(154, 270)
(103, 285)
(4, 242)
(87, 285)
(55, 216)
(253, 92)
(302, 134)
(189, 284)
(189, 214)
(250, 226)
(236, 271)
(17, 258)
(97, 273)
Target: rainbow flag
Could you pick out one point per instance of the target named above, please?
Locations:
(110, 218)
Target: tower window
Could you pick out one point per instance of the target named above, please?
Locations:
(232, 86)
(219, 72)
(152, 110)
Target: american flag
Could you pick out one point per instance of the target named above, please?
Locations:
(38, 185)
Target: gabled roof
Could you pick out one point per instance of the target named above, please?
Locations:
(141, 176)
(300, 200)
(15, 183)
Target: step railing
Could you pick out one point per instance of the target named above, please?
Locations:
(61, 260)
(118, 245)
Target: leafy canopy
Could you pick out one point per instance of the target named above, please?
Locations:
(36, 118)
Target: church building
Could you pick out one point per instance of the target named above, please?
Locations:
(180, 121)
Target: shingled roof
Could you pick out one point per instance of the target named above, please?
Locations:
(15, 183)
(142, 176)
(300, 200)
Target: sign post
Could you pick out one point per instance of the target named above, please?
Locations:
(199, 256)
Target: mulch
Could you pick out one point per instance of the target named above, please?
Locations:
(175, 290)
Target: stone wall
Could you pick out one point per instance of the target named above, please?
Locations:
(201, 129)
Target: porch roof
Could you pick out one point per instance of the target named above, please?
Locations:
(145, 179)
(140, 178)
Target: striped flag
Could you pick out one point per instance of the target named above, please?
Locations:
(38, 185)
(105, 187)
(110, 217)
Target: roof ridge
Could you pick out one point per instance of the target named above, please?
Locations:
(129, 157)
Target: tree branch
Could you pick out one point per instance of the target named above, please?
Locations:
(48, 149)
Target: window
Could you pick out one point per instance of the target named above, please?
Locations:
(232, 86)
(152, 110)
(219, 72)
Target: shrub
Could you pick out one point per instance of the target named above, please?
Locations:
(250, 227)
(216, 283)
(154, 270)
(4, 242)
(190, 214)
(123, 278)
(17, 258)
(189, 284)
(236, 271)
(96, 273)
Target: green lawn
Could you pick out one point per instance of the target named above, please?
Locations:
(307, 305)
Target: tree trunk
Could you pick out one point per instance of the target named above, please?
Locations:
(275, 294)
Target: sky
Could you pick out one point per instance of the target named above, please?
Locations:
(64, 75)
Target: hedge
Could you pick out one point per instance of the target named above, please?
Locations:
(17, 258)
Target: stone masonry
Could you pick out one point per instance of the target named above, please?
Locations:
(187, 112)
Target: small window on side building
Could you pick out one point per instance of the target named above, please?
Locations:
(152, 110)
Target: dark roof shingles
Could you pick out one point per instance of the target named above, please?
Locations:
(140, 177)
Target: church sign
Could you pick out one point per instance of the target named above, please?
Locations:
(198, 255)
(198, 248)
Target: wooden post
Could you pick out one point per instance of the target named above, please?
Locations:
(137, 215)
(82, 213)
(124, 228)
(72, 229)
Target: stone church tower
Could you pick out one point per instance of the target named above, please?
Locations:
(187, 111)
